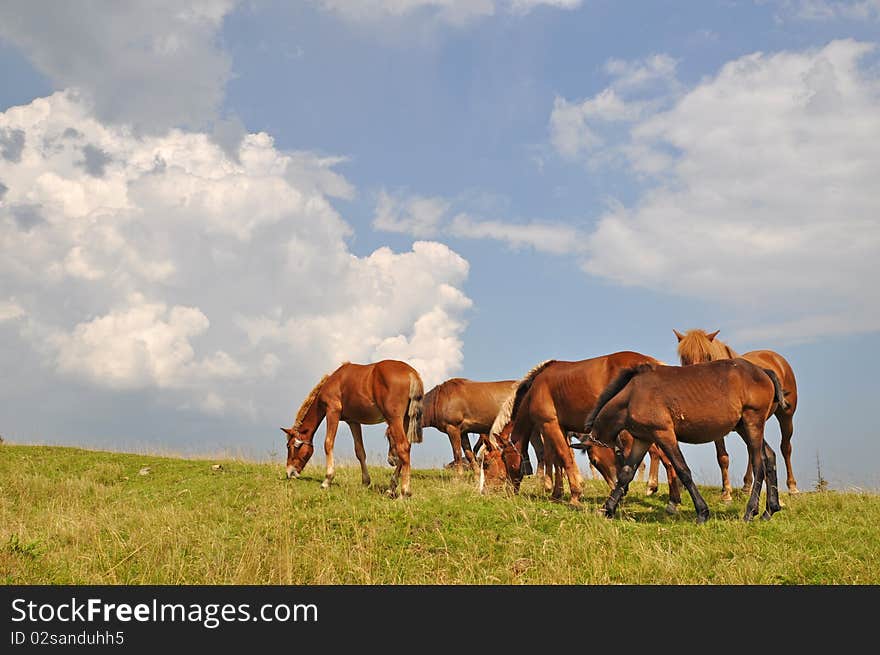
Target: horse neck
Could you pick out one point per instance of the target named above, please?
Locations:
(312, 419)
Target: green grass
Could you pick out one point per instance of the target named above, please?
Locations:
(84, 517)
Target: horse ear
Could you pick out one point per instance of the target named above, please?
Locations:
(678, 334)
(713, 335)
(286, 431)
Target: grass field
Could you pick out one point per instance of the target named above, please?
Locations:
(86, 517)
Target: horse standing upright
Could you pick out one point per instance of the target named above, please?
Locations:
(665, 405)
(695, 347)
(389, 391)
(459, 406)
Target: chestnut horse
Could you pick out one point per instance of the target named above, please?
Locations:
(695, 347)
(389, 391)
(665, 405)
(459, 406)
(553, 398)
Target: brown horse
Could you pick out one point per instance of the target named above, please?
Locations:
(459, 406)
(695, 347)
(553, 398)
(609, 462)
(665, 405)
(389, 391)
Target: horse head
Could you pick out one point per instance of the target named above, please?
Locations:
(299, 450)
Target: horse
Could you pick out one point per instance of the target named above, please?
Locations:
(695, 346)
(665, 405)
(609, 462)
(389, 391)
(459, 406)
(553, 398)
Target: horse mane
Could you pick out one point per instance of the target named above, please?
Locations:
(612, 389)
(512, 402)
(696, 346)
(310, 399)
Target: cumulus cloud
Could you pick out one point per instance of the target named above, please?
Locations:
(149, 64)
(766, 200)
(167, 265)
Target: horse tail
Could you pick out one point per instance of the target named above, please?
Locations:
(414, 411)
(612, 389)
(777, 387)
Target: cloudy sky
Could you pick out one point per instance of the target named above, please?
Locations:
(205, 206)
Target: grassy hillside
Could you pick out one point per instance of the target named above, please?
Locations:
(75, 516)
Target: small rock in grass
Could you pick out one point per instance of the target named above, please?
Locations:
(144, 471)
(217, 467)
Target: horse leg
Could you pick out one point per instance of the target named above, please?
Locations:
(559, 444)
(538, 444)
(669, 445)
(401, 445)
(358, 437)
(769, 461)
(786, 427)
(752, 432)
(653, 471)
(455, 437)
(329, 440)
(468, 451)
(641, 474)
(674, 488)
(625, 475)
(724, 465)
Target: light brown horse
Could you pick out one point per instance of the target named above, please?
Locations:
(389, 391)
(459, 406)
(553, 398)
(695, 347)
(665, 405)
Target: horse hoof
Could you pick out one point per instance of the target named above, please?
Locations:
(766, 515)
(325, 485)
(671, 508)
(702, 518)
(726, 497)
(366, 482)
(793, 490)
(650, 492)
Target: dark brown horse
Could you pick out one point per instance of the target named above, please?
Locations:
(459, 406)
(665, 405)
(389, 391)
(553, 398)
(695, 347)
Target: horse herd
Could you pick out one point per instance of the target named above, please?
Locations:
(616, 407)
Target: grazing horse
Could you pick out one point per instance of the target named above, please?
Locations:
(553, 398)
(610, 461)
(389, 391)
(665, 405)
(695, 347)
(459, 406)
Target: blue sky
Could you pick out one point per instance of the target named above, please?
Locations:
(472, 186)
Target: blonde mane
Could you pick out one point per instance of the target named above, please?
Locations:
(310, 399)
(696, 347)
(511, 403)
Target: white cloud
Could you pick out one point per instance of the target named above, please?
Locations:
(414, 215)
(768, 199)
(818, 10)
(151, 64)
(576, 127)
(552, 238)
(452, 12)
(200, 274)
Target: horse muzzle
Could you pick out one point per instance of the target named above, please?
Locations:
(291, 472)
